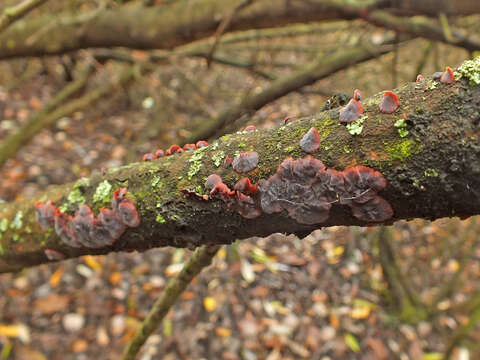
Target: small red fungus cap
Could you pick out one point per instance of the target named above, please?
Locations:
(357, 95)
(227, 162)
(172, 150)
(201, 144)
(128, 213)
(287, 119)
(389, 103)
(222, 189)
(188, 147)
(245, 162)
(118, 196)
(212, 180)
(310, 142)
(420, 77)
(351, 112)
(245, 187)
(250, 128)
(159, 154)
(448, 76)
(148, 157)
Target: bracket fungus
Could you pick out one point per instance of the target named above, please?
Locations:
(84, 229)
(447, 76)
(310, 142)
(420, 77)
(245, 162)
(350, 112)
(389, 102)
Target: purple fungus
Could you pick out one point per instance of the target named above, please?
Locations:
(330, 184)
(244, 186)
(245, 162)
(420, 77)
(53, 255)
(310, 142)
(110, 220)
(361, 184)
(376, 209)
(128, 213)
(357, 95)
(118, 197)
(448, 76)
(148, 157)
(389, 102)
(101, 235)
(250, 128)
(351, 112)
(437, 75)
(63, 230)
(82, 224)
(212, 181)
(45, 214)
(246, 206)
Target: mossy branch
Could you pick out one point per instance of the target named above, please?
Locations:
(13, 13)
(431, 163)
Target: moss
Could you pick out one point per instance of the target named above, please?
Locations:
(160, 219)
(155, 181)
(402, 150)
(431, 173)
(356, 127)
(75, 198)
(470, 70)
(17, 221)
(347, 149)
(3, 225)
(241, 145)
(195, 162)
(103, 193)
(401, 126)
(218, 157)
(289, 149)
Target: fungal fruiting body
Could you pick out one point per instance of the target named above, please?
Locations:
(250, 128)
(227, 162)
(173, 150)
(389, 102)
(245, 187)
(351, 112)
(286, 120)
(310, 142)
(245, 162)
(84, 229)
(45, 214)
(148, 157)
(357, 95)
(420, 77)
(447, 76)
(306, 190)
(159, 154)
(188, 147)
(201, 144)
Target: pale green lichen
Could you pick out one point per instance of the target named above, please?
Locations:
(401, 126)
(356, 127)
(218, 157)
(82, 182)
(347, 149)
(160, 219)
(215, 145)
(403, 149)
(431, 84)
(289, 149)
(75, 198)
(241, 145)
(155, 181)
(470, 70)
(195, 162)
(102, 192)
(3, 225)
(17, 221)
(431, 173)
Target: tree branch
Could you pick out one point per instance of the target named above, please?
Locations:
(13, 13)
(432, 167)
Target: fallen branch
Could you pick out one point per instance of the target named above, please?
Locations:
(13, 13)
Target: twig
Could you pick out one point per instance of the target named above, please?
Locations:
(201, 258)
(13, 13)
(462, 332)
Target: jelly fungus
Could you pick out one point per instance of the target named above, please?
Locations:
(361, 184)
(53, 255)
(159, 154)
(128, 213)
(82, 226)
(45, 214)
(375, 210)
(110, 221)
(310, 142)
(148, 157)
(357, 95)
(245, 187)
(201, 144)
(63, 229)
(118, 196)
(437, 75)
(448, 76)
(389, 102)
(189, 147)
(173, 149)
(420, 77)
(287, 119)
(250, 128)
(245, 162)
(351, 112)
(212, 180)
(227, 162)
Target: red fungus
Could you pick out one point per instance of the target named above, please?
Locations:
(448, 76)
(128, 213)
(222, 190)
(245, 162)
(172, 150)
(212, 180)
(118, 196)
(350, 112)
(361, 184)
(188, 147)
(63, 230)
(245, 186)
(53, 255)
(227, 162)
(82, 225)
(250, 128)
(45, 214)
(357, 95)
(420, 77)
(148, 157)
(389, 103)
(310, 142)
(110, 221)
(159, 154)
(287, 119)
(201, 144)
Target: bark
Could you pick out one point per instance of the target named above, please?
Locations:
(177, 23)
(432, 172)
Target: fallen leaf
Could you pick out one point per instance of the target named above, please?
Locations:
(51, 303)
(209, 303)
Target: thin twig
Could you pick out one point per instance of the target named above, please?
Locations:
(13, 13)
(201, 258)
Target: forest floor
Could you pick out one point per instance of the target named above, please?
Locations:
(322, 297)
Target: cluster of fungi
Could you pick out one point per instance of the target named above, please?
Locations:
(174, 149)
(83, 229)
